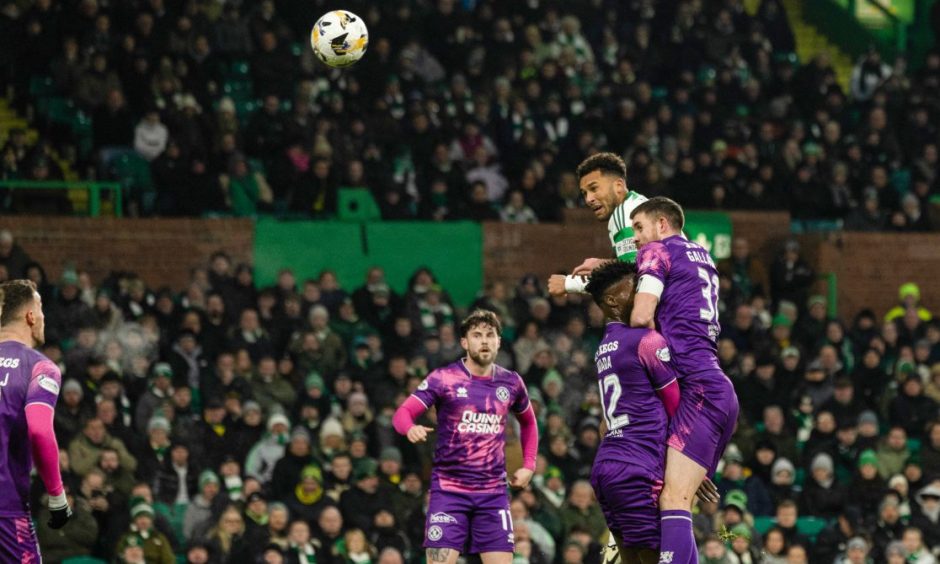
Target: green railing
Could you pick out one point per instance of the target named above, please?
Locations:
(94, 190)
(832, 293)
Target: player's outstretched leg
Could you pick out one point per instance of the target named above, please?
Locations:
(683, 477)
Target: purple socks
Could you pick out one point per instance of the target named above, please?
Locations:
(677, 543)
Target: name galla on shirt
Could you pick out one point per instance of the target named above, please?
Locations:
(481, 423)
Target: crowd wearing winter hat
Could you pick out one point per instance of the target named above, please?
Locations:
(231, 422)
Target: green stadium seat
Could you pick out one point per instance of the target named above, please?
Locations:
(238, 69)
(913, 445)
(133, 172)
(256, 165)
(357, 204)
(811, 526)
(764, 523)
(84, 560)
(238, 88)
(901, 180)
(41, 86)
(244, 108)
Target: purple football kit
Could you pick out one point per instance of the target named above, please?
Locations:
(26, 377)
(687, 316)
(632, 364)
(468, 480)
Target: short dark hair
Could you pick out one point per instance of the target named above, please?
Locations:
(660, 206)
(15, 295)
(607, 163)
(606, 275)
(480, 317)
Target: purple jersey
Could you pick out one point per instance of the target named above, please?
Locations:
(26, 377)
(687, 314)
(471, 425)
(631, 365)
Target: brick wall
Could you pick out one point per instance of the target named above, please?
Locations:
(510, 251)
(869, 267)
(161, 251)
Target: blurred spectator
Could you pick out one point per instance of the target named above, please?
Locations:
(151, 136)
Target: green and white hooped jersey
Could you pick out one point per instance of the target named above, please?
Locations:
(620, 227)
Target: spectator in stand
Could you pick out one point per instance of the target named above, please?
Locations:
(151, 136)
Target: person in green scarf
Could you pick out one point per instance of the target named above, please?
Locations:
(307, 500)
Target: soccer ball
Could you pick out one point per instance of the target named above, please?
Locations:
(339, 38)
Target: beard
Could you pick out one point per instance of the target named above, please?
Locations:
(482, 358)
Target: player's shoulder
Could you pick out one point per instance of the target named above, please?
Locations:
(652, 337)
(503, 374)
(621, 216)
(653, 344)
(650, 253)
(14, 354)
(633, 200)
(620, 333)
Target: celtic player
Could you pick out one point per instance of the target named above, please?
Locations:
(603, 181)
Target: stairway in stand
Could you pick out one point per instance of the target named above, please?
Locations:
(810, 42)
(9, 120)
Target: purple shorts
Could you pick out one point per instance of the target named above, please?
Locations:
(452, 516)
(705, 420)
(629, 497)
(18, 541)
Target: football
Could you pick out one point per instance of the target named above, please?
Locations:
(339, 38)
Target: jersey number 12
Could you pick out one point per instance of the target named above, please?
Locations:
(610, 396)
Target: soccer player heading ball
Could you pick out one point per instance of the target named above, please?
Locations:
(29, 388)
(473, 397)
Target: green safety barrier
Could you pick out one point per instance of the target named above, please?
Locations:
(94, 190)
(453, 251)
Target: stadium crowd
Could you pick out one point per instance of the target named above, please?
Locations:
(477, 109)
(231, 424)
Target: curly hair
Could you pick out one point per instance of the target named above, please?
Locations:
(607, 163)
(606, 275)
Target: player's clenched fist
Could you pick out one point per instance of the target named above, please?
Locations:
(419, 433)
(556, 285)
(521, 478)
